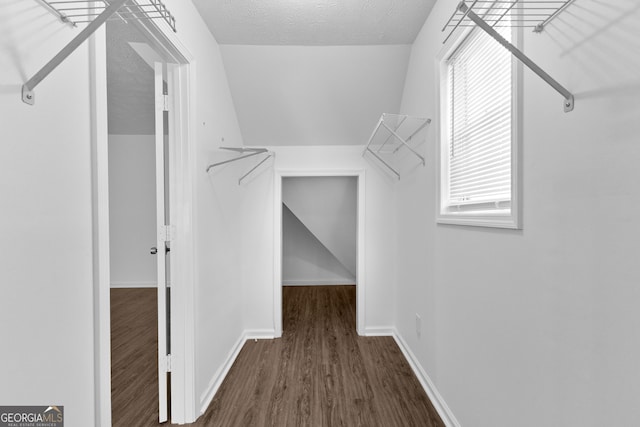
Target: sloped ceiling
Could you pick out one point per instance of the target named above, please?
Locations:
(314, 22)
(313, 95)
(314, 72)
(301, 72)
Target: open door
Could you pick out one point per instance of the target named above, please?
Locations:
(163, 238)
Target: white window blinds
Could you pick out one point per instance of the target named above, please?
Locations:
(480, 120)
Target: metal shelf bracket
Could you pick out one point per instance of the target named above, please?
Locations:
(392, 123)
(70, 13)
(501, 8)
(541, 26)
(252, 152)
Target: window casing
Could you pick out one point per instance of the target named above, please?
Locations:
(479, 132)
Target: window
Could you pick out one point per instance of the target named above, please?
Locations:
(478, 133)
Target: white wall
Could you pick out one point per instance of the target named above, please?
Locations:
(328, 207)
(45, 182)
(218, 293)
(46, 296)
(531, 327)
(305, 260)
(314, 95)
(379, 247)
(132, 210)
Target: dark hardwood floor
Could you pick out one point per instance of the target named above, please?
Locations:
(320, 373)
(134, 357)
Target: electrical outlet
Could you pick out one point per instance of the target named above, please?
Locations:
(418, 325)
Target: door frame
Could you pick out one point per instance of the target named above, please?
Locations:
(360, 244)
(182, 166)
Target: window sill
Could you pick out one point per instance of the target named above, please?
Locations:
(484, 220)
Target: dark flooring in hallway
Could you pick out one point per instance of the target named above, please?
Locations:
(320, 373)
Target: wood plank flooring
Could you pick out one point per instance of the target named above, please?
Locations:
(320, 373)
(134, 357)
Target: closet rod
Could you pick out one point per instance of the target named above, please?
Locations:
(254, 168)
(403, 142)
(422, 126)
(393, 129)
(63, 17)
(252, 152)
(27, 89)
(568, 101)
(255, 152)
(391, 135)
(383, 162)
(540, 27)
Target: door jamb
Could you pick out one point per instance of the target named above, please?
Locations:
(360, 258)
(183, 402)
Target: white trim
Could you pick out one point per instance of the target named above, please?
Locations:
(320, 282)
(277, 230)
(277, 254)
(360, 269)
(100, 228)
(183, 404)
(514, 219)
(379, 331)
(132, 285)
(216, 381)
(479, 221)
(183, 261)
(259, 334)
(432, 392)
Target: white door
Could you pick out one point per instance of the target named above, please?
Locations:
(163, 239)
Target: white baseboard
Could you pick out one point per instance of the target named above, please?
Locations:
(219, 376)
(379, 331)
(259, 334)
(344, 282)
(133, 285)
(436, 399)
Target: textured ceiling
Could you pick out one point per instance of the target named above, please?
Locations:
(314, 22)
(344, 66)
(129, 81)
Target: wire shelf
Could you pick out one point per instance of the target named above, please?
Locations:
(536, 14)
(76, 12)
(392, 133)
(490, 14)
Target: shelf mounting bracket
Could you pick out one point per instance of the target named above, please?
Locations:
(241, 150)
(374, 148)
(28, 96)
(568, 103)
